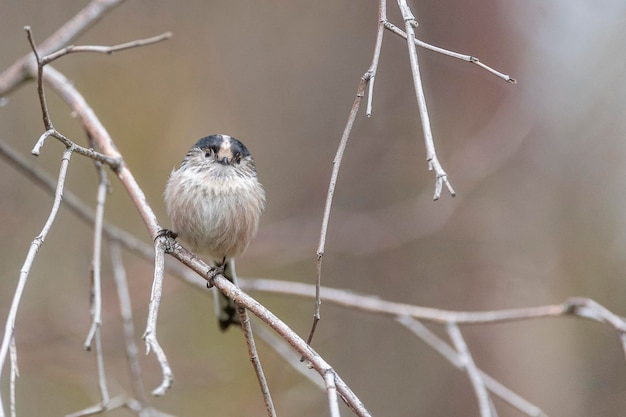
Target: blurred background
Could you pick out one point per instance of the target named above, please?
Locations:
(538, 167)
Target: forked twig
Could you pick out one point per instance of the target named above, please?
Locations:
(431, 156)
(467, 362)
(149, 336)
(452, 356)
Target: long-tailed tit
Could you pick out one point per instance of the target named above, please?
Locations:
(214, 201)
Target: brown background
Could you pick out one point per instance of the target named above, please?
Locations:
(539, 168)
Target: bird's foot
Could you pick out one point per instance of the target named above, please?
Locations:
(212, 273)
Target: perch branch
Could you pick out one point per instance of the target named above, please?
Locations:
(241, 298)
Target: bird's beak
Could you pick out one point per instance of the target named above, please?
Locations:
(223, 161)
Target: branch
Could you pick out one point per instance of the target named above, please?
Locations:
(431, 155)
(331, 391)
(96, 270)
(468, 58)
(256, 362)
(105, 49)
(126, 311)
(467, 362)
(22, 69)
(452, 356)
(8, 338)
(241, 298)
(365, 80)
(575, 306)
(149, 336)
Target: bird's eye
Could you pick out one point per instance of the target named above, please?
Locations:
(208, 152)
(237, 157)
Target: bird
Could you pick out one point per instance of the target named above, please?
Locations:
(214, 202)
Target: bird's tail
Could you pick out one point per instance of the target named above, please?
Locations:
(225, 308)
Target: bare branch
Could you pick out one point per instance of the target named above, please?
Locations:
(431, 155)
(15, 373)
(331, 391)
(467, 362)
(280, 347)
(241, 298)
(96, 270)
(126, 311)
(149, 336)
(382, 18)
(468, 58)
(72, 202)
(25, 271)
(256, 362)
(576, 306)
(105, 49)
(21, 70)
(365, 79)
(444, 349)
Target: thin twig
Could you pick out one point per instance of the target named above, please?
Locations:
(468, 58)
(431, 155)
(452, 356)
(256, 362)
(102, 380)
(484, 402)
(40, 90)
(149, 336)
(113, 162)
(240, 297)
(15, 373)
(112, 404)
(363, 82)
(282, 349)
(83, 20)
(28, 262)
(96, 262)
(382, 18)
(126, 311)
(105, 49)
(576, 306)
(331, 391)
